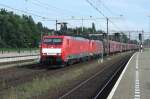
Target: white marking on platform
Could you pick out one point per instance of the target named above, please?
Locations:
(137, 81)
(118, 81)
(137, 92)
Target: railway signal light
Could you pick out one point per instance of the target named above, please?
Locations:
(140, 36)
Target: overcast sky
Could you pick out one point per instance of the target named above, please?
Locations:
(135, 12)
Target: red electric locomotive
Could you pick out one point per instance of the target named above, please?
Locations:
(66, 49)
(95, 48)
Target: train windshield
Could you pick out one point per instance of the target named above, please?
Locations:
(52, 41)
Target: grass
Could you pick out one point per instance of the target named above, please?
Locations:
(41, 85)
(50, 84)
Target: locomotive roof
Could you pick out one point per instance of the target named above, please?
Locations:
(57, 36)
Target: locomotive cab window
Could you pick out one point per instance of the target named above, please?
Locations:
(53, 40)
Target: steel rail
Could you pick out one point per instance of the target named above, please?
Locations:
(121, 65)
(85, 81)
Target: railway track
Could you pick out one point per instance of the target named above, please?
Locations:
(99, 85)
(12, 77)
(15, 76)
(105, 90)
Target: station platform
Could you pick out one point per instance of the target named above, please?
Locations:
(18, 56)
(13, 59)
(15, 53)
(134, 81)
(18, 61)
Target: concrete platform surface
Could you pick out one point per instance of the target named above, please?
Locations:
(4, 60)
(134, 82)
(21, 53)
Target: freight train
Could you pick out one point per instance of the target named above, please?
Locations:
(65, 50)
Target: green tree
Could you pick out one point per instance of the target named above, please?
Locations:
(19, 31)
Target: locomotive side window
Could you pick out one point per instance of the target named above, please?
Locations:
(52, 41)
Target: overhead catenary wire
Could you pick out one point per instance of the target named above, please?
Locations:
(52, 19)
(26, 12)
(102, 14)
(96, 8)
(114, 13)
(107, 8)
(110, 11)
(46, 7)
(50, 6)
(48, 11)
